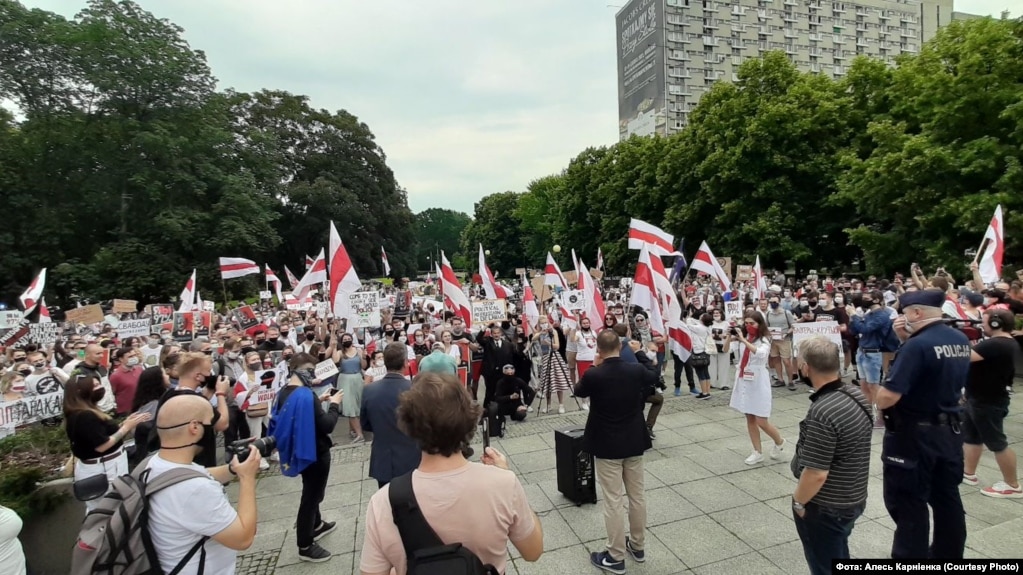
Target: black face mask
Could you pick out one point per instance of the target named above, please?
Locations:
(285, 332)
(209, 381)
(812, 303)
(248, 349)
(346, 343)
(272, 340)
(306, 375)
(209, 435)
(286, 356)
(310, 336)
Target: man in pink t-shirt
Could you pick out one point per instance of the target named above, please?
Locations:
(124, 378)
(483, 507)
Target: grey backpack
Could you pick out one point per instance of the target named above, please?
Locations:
(114, 539)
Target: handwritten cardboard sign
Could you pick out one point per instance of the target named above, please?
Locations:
(87, 314)
(43, 333)
(365, 309)
(326, 369)
(31, 409)
(828, 329)
(489, 311)
(125, 306)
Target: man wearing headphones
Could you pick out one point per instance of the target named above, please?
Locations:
(992, 368)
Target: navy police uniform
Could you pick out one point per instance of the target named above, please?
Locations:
(922, 451)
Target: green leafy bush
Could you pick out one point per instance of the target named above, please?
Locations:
(29, 457)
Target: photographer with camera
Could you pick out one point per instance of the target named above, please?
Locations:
(301, 429)
(195, 378)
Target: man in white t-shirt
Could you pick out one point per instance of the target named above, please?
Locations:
(181, 515)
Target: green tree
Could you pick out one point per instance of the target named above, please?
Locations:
(496, 226)
(438, 229)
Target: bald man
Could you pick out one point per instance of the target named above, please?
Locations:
(174, 525)
(196, 379)
(90, 366)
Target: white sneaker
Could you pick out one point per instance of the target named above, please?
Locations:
(1003, 489)
(543, 410)
(754, 458)
(778, 450)
(529, 408)
(264, 465)
(561, 409)
(275, 456)
(585, 406)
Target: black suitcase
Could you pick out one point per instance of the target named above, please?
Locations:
(575, 467)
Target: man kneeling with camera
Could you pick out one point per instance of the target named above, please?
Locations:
(301, 429)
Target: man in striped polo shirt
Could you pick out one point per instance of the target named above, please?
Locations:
(832, 457)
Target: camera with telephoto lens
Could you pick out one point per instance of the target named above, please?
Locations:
(240, 448)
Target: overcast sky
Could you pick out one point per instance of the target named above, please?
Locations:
(466, 97)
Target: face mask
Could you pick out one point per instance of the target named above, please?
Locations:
(839, 300)
(803, 302)
(286, 356)
(752, 332)
(232, 355)
(419, 339)
(39, 364)
(774, 305)
(310, 336)
(717, 318)
(154, 343)
(346, 344)
(97, 394)
(812, 302)
(208, 381)
(867, 304)
(209, 435)
(379, 363)
(402, 339)
(586, 327)
(25, 372)
(272, 340)
(285, 332)
(255, 365)
(248, 349)
(132, 361)
(307, 375)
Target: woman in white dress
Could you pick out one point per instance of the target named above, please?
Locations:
(720, 356)
(752, 393)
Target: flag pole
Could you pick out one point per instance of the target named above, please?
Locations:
(223, 284)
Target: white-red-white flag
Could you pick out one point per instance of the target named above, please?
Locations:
(704, 261)
(680, 340)
(271, 278)
(493, 289)
(657, 241)
(383, 258)
(595, 307)
(44, 312)
(187, 297)
(34, 293)
(759, 281)
(644, 291)
(309, 262)
(454, 298)
(552, 275)
(993, 248)
(231, 268)
(529, 310)
(316, 275)
(343, 279)
(291, 277)
(600, 259)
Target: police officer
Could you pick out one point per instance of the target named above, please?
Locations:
(922, 451)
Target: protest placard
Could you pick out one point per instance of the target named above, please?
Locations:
(14, 336)
(489, 311)
(160, 312)
(402, 304)
(271, 381)
(125, 306)
(365, 309)
(208, 305)
(10, 319)
(326, 369)
(43, 333)
(133, 328)
(828, 329)
(244, 317)
(183, 329)
(266, 294)
(201, 321)
(573, 300)
(31, 409)
(733, 310)
(87, 314)
(743, 273)
(322, 309)
(383, 301)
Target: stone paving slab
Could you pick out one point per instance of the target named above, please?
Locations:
(708, 512)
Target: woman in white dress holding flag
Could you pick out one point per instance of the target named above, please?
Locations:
(751, 394)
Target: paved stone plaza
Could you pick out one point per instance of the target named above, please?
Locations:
(708, 512)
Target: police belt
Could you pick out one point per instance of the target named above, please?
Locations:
(940, 419)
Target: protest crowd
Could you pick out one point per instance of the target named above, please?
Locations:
(188, 396)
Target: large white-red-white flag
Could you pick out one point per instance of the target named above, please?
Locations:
(595, 307)
(759, 281)
(552, 275)
(680, 340)
(529, 310)
(657, 241)
(34, 293)
(291, 277)
(383, 258)
(704, 261)
(317, 274)
(493, 289)
(44, 312)
(343, 279)
(600, 259)
(644, 291)
(992, 249)
(187, 297)
(271, 278)
(454, 298)
(309, 262)
(231, 268)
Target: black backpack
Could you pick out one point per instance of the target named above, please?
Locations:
(426, 553)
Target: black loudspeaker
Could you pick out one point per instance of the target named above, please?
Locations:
(576, 479)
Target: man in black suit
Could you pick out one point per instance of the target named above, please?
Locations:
(498, 351)
(393, 453)
(616, 436)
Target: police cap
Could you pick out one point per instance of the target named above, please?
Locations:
(927, 297)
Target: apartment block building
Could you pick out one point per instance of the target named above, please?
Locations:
(670, 52)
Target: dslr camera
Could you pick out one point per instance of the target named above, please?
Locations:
(240, 448)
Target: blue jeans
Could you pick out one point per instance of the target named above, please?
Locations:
(869, 366)
(825, 532)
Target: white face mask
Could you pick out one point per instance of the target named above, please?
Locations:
(132, 361)
(379, 363)
(839, 300)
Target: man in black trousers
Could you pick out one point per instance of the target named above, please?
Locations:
(393, 453)
(616, 436)
(498, 351)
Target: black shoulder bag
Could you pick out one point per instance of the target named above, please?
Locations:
(426, 553)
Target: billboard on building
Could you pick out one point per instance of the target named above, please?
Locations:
(641, 105)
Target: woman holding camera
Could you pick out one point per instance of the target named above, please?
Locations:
(752, 394)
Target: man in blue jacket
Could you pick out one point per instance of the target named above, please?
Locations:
(393, 453)
(873, 325)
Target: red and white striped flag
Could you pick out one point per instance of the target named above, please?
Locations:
(494, 290)
(34, 293)
(309, 262)
(600, 259)
(759, 281)
(231, 268)
(992, 248)
(529, 310)
(680, 339)
(44, 312)
(291, 277)
(187, 297)
(454, 298)
(704, 261)
(271, 278)
(658, 241)
(644, 290)
(595, 308)
(383, 258)
(552, 275)
(343, 279)
(317, 274)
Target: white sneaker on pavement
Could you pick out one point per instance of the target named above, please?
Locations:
(778, 450)
(754, 458)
